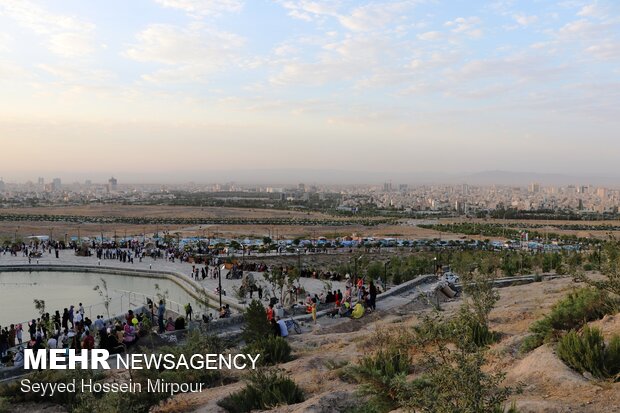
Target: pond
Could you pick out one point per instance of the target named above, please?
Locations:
(60, 290)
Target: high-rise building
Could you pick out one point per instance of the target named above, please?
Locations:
(41, 181)
(56, 184)
(534, 188)
(2, 185)
(113, 183)
(387, 187)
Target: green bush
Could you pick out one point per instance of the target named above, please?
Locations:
(256, 326)
(272, 350)
(381, 375)
(4, 405)
(530, 343)
(571, 312)
(265, 389)
(587, 352)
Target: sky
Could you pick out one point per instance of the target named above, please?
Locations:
(178, 89)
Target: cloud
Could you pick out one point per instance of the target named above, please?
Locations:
(10, 70)
(310, 10)
(70, 44)
(429, 36)
(338, 61)
(369, 17)
(203, 7)
(5, 41)
(65, 35)
(71, 73)
(375, 16)
(466, 25)
(525, 20)
(606, 50)
(193, 52)
(594, 10)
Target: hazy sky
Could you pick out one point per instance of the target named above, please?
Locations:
(177, 87)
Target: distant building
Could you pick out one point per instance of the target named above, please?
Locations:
(56, 184)
(403, 187)
(387, 187)
(2, 185)
(41, 181)
(113, 183)
(301, 187)
(534, 188)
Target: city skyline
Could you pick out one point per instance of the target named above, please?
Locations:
(175, 89)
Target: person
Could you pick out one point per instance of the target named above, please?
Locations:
(275, 327)
(270, 312)
(52, 343)
(32, 329)
(373, 295)
(170, 324)
(345, 309)
(18, 333)
(283, 328)
(89, 342)
(358, 310)
(161, 312)
(314, 312)
(188, 311)
(12, 336)
(18, 359)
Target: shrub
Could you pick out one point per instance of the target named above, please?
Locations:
(265, 389)
(381, 376)
(256, 325)
(530, 343)
(4, 405)
(272, 350)
(572, 312)
(587, 352)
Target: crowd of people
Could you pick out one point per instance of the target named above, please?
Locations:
(74, 330)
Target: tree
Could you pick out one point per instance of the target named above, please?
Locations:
(103, 292)
(256, 326)
(610, 268)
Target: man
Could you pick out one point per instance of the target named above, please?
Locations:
(89, 342)
(188, 311)
(161, 311)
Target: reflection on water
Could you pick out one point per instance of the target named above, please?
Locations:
(62, 289)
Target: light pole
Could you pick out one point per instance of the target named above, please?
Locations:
(219, 280)
(355, 260)
(15, 236)
(385, 266)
